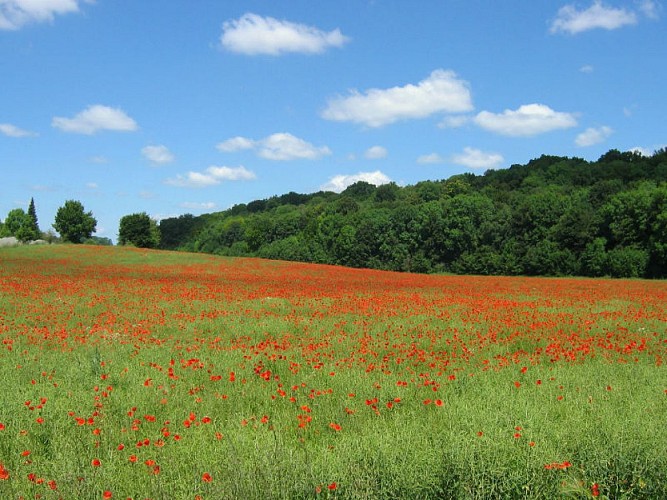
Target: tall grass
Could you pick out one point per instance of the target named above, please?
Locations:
(160, 375)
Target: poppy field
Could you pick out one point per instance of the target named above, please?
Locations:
(138, 374)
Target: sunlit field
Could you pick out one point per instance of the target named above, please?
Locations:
(135, 374)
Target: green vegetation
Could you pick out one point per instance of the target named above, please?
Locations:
(554, 216)
(132, 373)
(73, 223)
(138, 230)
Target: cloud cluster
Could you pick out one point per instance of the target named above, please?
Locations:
(572, 21)
(16, 13)
(592, 136)
(527, 120)
(442, 92)
(253, 34)
(280, 147)
(339, 183)
(95, 118)
(212, 176)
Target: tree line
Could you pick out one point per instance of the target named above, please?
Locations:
(554, 216)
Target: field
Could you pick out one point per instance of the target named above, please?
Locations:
(134, 374)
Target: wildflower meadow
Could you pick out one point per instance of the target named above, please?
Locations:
(130, 373)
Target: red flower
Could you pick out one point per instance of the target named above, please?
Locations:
(335, 426)
(206, 477)
(95, 462)
(4, 473)
(332, 486)
(107, 494)
(595, 490)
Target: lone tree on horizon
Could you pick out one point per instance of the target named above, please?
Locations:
(73, 223)
(34, 226)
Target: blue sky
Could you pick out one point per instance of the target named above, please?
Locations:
(173, 107)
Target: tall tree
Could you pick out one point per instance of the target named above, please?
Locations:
(34, 226)
(73, 223)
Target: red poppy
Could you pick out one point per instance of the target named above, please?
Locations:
(95, 462)
(332, 486)
(206, 477)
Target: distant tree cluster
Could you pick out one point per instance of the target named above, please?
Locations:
(23, 226)
(74, 224)
(554, 216)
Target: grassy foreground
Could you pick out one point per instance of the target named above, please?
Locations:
(136, 374)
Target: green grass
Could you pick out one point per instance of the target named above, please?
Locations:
(94, 332)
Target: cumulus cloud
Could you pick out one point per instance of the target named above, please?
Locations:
(339, 183)
(158, 155)
(252, 34)
(16, 13)
(430, 159)
(528, 120)
(13, 131)
(96, 118)
(212, 176)
(375, 153)
(281, 147)
(236, 144)
(442, 92)
(572, 21)
(477, 159)
(592, 136)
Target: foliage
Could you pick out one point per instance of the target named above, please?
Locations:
(554, 216)
(73, 223)
(17, 224)
(138, 230)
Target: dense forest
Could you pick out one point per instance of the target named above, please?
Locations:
(555, 216)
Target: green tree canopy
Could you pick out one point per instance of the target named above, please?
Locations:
(73, 223)
(34, 226)
(18, 224)
(138, 230)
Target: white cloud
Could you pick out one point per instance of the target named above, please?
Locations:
(252, 34)
(192, 205)
(573, 21)
(430, 159)
(592, 136)
(454, 121)
(236, 144)
(157, 154)
(441, 92)
(586, 68)
(375, 153)
(212, 176)
(13, 131)
(16, 13)
(96, 118)
(92, 185)
(281, 147)
(477, 159)
(338, 183)
(285, 146)
(528, 120)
